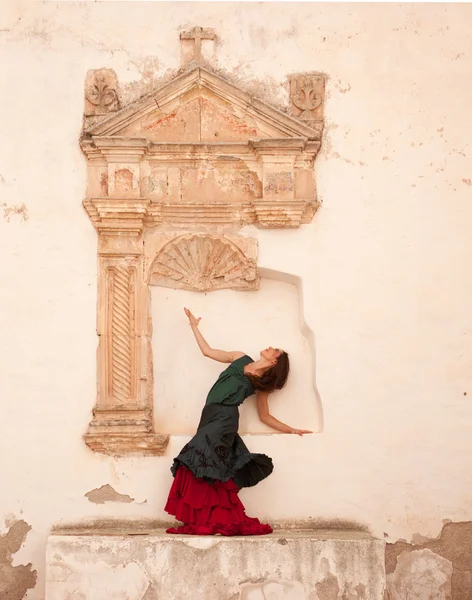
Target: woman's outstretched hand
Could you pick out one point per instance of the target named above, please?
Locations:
(193, 320)
(301, 431)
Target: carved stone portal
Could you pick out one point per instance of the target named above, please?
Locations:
(171, 178)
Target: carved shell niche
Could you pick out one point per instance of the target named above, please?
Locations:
(202, 263)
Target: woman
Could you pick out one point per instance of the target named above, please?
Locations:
(215, 464)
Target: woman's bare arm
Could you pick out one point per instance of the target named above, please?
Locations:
(268, 419)
(219, 355)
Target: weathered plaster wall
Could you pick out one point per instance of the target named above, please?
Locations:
(385, 263)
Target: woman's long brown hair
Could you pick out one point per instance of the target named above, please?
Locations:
(274, 378)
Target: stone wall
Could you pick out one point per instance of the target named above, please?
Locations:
(383, 269)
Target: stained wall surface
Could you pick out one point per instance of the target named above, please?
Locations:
(385, 264)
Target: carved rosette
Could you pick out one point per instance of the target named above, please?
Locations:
(201, 262)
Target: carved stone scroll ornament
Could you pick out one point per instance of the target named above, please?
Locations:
(307, 96)
(101, 95)
(202, 262)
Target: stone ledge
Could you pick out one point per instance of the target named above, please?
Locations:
(312, 534)
(288, 565)
(127, 444)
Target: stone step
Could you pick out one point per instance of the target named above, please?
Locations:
(286, 565)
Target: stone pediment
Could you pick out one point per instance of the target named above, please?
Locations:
(200, 150)
(200, 106)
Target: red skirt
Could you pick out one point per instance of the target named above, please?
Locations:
(209, 509)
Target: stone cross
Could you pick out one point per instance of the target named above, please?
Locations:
(197, 34)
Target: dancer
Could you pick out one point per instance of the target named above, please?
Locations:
(215, 464)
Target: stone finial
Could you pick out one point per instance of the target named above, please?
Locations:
(101, 92)
(307, 96)
(191, 43)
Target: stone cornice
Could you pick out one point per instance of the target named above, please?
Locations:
(126, 444)
(120, 149)
(132, 216)
(117, 214)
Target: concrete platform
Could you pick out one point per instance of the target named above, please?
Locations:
(286, 565)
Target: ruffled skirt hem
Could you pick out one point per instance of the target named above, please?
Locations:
(209, 509)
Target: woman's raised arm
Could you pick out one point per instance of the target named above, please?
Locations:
(219, 355)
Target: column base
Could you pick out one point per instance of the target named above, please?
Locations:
(125, 444)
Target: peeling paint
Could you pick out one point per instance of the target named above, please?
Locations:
(107, 494)
(327, 145)
(454, 545)
(148, 78)
(421, 574)
(15, 581)
(19, 209)
(418, 539)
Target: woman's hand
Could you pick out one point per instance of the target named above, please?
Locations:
(300, 431)
(193, 320)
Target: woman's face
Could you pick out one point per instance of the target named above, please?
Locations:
(271, 354)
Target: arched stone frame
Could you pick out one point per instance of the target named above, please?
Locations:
(143, 199)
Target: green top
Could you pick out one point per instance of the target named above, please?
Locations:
(232, 386)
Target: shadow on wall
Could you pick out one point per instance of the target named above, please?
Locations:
(305, 329)
(232, 320)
